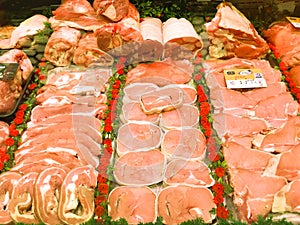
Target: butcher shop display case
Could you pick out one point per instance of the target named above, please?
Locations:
(149, 112)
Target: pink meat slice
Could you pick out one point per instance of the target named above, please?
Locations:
(133, 92)
(185, 143)
(227, 125)
(184, 116)
(288, 198)
(135, 136)
(4, 132)
(132, 111)
(180, 171)
(177, 204)
(135, 204)
(189, 94)
(254, 193)
(163, 99)
(288, 165)
(162, 73)
(140, 168)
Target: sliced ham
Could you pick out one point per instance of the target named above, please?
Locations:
(181, 40)
(115, 10)
(254, 193)
(21, 205)
(60, 47)
(140, 168)
(135, 136)
(134, 204)
(231, 34)
(177, 204)
(46, 194)
(133, 92)
(8, 180)
(188, 172)
(184, 143)
(163, 99)
(76, 199)
(87, 52)
(161, 73)
(288, 198)
(184, 116)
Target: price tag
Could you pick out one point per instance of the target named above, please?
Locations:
(244, 78)
(295, 21)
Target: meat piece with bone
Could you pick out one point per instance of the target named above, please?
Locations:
(115, 10)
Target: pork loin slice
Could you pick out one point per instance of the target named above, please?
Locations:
(162, 73)
(140, 168)
(132, 111)
(254, 193)
(21, 205)
(288, 198)
(188, 172)
(133, 92)
(163, 99)
(185, 143)
(136, 136)
(189, 93)
(46, 194)
(227, 125)
(184, 116)
(135, 204)
(76, 199)
(177, 204)
(8, 180)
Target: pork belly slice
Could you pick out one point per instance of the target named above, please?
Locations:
(177, 204)
(46, 194)
(185, 143)
(288, 165)
(238, 156)
(162, 73)
(76, 199)
(163, 99)
(133, 92)
(8, 180)
(288, 198)
(60, 47)
(188, 172)
(136, 204)
(140, 168)
(138, 136)
(254, 193)
(21, 205)
(132, 111)
(184, 116)
(227, 125)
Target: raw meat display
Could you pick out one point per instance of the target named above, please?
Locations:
(231, 34)
(61, 45)
(133, 92)
(114, 10)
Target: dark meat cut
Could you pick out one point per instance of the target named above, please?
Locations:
(140, 168)
(115, 10)
(60, 47)
(177, 204)
(231, 34)
(136, 204)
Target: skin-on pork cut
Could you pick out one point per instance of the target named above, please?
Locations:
(60, 47)
(177, 204)
(140, 168)
(231, 34)
(136, 204)
(115, 10)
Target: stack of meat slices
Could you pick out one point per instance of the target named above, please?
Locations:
(158, 143)
(56, 162)
(259, 129)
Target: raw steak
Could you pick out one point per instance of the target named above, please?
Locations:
(162, 73)
(288, 198)
(180, 171)
(184, 116)
(182, 203)
(231, 34)
(60, 47)
(140, 168)
(133, 92)
(184, 143)
(115, 10)
(138, 136)
(135, 204)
